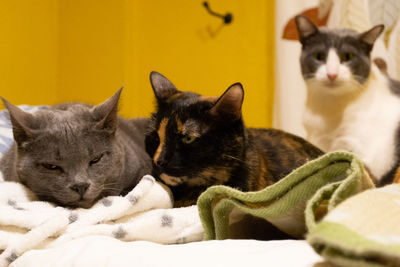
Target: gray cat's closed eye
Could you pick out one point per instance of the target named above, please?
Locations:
(95, 160)
(51, 167)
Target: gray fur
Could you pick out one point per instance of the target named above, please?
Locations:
(96, 153)
(321, 40)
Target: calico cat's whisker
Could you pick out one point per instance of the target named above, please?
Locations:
(232, 157)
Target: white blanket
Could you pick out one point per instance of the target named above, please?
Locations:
(144, 214)
(102, 251)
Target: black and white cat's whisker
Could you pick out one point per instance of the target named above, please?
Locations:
(309, 76)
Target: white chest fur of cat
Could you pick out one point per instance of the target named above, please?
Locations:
(351, 104)
(363, 121)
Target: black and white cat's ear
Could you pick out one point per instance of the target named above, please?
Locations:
(305, 27)
(107, 113)
(229, 105)
(369, 37)
(162, 87)
(21, 123)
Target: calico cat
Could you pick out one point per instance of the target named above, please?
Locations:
(350, 103)
(200, 141)
(73, 154)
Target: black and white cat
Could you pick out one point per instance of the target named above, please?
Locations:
(350, 103)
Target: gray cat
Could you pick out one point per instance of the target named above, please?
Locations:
(73, 154)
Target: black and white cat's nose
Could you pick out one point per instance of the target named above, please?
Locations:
(80, 188)
(332, 76)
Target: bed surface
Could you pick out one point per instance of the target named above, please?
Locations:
(104, 251)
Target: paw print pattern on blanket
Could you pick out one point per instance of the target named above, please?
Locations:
(144, 214)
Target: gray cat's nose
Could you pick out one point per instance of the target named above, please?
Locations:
(80, 188)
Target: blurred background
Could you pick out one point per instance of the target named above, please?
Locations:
(53, 51)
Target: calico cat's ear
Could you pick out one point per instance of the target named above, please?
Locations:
(21, 122)
(162, 87)
(305, 27)
(107, 113)
(369, 37)
(229, 105)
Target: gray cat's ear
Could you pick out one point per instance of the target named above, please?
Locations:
(107, 113)
(305, 27)
(21, 122)
(369, 37)
(229, 104)
(162, 87)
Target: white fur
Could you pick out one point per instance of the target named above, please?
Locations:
(332, 63)
(332, 66)
(361, 119)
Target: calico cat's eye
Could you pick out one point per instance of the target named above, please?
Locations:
(346, 56)
(51, 167)
(187, 139)
(95, 160)
(318, 56)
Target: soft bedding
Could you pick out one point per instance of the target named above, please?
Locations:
(327, 181)
(363, 231)
(103, 251)
(359, 228)
(143, 214)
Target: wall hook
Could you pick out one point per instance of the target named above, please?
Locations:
(228, 17)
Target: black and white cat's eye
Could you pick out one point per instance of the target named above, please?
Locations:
(347, 56)
(95, 160)
(320, 56)
(187, 139)
(51, 167)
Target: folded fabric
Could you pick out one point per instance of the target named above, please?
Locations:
(327, 180)
(364, 230)
(144, 214)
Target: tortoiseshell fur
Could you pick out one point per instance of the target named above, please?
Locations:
(224, 151)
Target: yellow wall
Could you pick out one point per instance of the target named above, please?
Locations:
(28, 51)
(85, 50)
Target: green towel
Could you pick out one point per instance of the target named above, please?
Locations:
(328, 180)
(363, 230)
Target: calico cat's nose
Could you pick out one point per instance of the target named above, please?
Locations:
(80, 188)
(161, 163)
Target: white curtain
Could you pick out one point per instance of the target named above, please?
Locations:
(290, 89)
